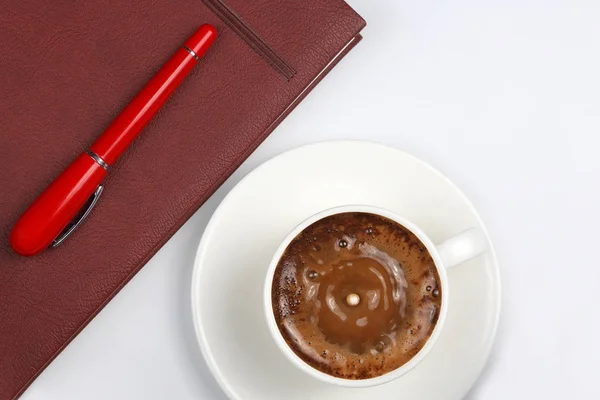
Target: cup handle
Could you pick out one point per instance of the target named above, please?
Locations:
(462, 247)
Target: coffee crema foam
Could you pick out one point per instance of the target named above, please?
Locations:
(356, 295)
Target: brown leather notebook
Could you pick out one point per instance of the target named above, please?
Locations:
(67, 69)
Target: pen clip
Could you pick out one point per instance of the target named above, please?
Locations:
(79, 218)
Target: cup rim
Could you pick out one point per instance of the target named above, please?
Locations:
(299, 362)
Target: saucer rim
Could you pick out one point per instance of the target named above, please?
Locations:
(202, 247)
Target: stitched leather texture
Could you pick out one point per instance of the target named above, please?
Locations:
(66, 69)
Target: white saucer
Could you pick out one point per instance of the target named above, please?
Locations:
(246, 229)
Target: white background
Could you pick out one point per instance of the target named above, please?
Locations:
(504, 97)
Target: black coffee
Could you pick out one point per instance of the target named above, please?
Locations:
(356, 295)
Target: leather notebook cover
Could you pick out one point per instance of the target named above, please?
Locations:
(67, 69)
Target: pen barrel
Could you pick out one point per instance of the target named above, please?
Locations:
(52, 211)
(130, 122)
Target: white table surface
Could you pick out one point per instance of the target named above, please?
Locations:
(504, 97)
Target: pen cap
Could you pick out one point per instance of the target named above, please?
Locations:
(56, 206)
(201, 40)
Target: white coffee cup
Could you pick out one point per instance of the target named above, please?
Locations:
(448, 254)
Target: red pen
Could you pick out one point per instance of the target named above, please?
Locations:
(55, 214)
